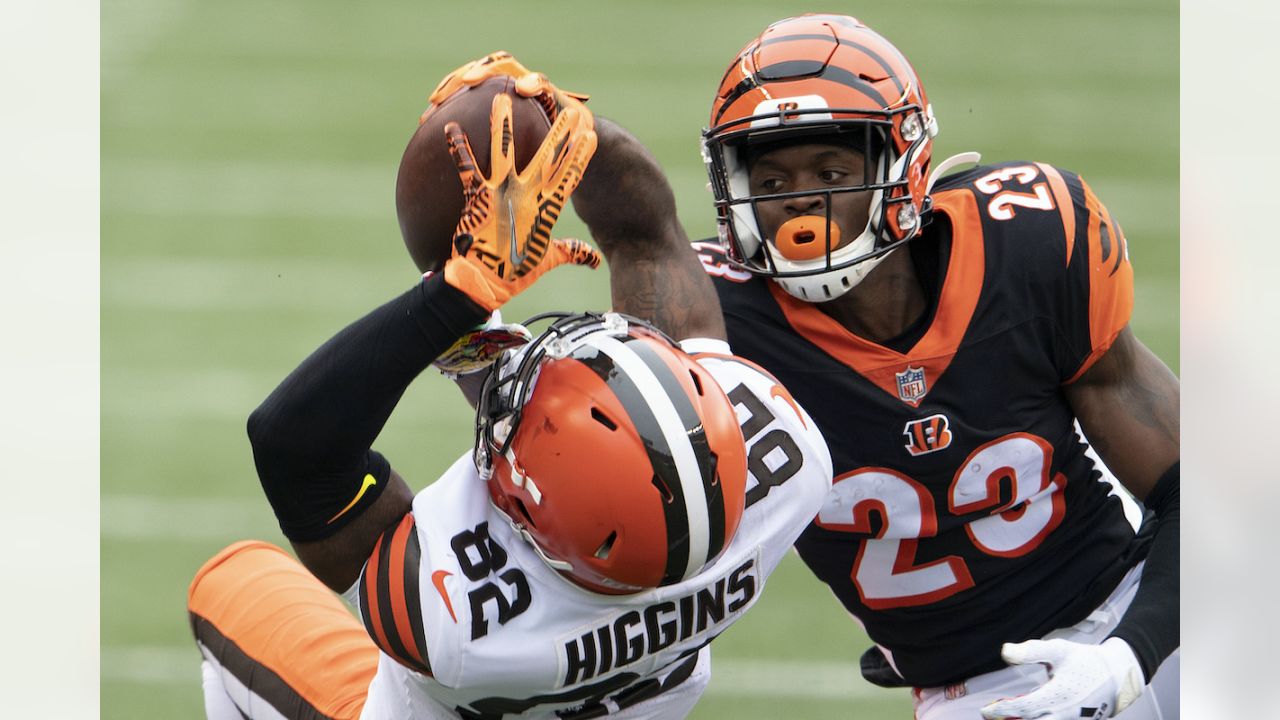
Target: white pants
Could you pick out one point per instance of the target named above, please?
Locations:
(962, 701)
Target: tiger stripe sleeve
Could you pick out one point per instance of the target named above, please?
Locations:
(1098, 297)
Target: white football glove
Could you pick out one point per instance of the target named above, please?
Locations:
(1085, 681)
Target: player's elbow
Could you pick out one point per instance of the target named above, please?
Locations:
(275, 456)
(263, 428)
(257, 423)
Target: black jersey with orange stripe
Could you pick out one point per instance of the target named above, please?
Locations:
(965, 512)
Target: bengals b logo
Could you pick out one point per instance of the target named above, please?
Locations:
(927, 435)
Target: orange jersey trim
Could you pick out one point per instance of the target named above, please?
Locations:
(1066, 207)
(934, 351)
(369, 599)
(398, 592)
(390, 600)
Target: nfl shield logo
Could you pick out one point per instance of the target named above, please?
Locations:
(911, 385)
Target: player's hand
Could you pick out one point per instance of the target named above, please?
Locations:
(1085, 681)
(481, 346)
(502, 64)
(503, 241)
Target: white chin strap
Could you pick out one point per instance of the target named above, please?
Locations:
(824, 286)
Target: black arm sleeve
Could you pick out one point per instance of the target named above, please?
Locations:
(1150, 625)
(311, 437)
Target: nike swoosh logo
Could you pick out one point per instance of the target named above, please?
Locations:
(517, 257)
(437, 579)
(369, 481)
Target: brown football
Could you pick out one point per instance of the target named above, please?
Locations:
(428, 191)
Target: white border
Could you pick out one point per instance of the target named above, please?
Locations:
(49, 356)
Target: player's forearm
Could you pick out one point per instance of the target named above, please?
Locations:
(624, 197)
(311, 437)
(628, 205)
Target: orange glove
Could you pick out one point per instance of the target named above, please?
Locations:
(503, 241)
(502, 64)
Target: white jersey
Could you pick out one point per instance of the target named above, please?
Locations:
(508, 637)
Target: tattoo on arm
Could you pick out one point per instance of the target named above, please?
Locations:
(1128, 405)
(1148, 390)
(628, 205)
(670, 291)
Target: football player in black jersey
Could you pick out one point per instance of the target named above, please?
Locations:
(952, 335)
(956, 338)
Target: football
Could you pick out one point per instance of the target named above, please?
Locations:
(428, 191)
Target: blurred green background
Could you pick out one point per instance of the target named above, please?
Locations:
(249, 154)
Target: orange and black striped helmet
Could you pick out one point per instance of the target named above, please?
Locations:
(612, 452)
(831, 78)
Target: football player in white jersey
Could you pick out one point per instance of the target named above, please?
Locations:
(626, 499)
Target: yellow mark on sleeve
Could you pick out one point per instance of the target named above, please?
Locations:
(369, 481)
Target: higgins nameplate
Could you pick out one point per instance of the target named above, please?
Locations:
(641, 632)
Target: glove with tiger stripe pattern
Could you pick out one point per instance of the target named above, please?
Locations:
(503, 242)
(529, 84)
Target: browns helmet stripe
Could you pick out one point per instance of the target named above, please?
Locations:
(675, 513)
(697, 435)
(680, 511)
(668, 425)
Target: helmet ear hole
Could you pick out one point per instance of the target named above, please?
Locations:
(697, 383)
(602, 552)
(524, 512)
(603, 419)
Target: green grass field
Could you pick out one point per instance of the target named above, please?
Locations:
(249, 153)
